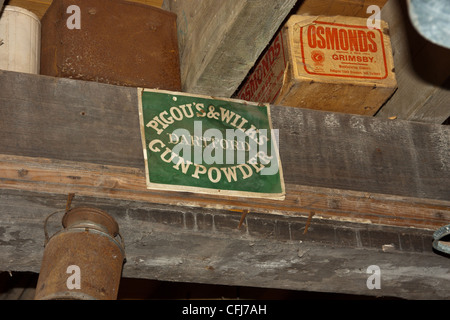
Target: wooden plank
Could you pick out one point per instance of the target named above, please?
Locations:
(199, 245)
(65, 134)
(89, 134)
(220, 41)
(353, 8)
(96, 123)
(39, 7)
(428, 112)
(422, 70)
(128, 184)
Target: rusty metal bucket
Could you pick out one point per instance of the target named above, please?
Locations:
(84, 260)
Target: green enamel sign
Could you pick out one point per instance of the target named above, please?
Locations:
(207, 145)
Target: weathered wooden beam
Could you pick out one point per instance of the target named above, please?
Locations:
(422, 70)
(51, 176)
(96, 123)
(219, 41)
(61, 136)
(199, 245)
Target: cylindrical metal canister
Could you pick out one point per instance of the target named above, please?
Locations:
(20, 40)
(111, 41)
(84, 260)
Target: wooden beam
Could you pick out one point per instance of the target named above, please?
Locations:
(201, 245)
(51, 176)
(219, 41)
(97, 123)
(422, 69)
(61, 136)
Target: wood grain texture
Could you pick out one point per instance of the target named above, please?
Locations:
(201, 245)
(50, 176)
(221, 40)
(54, 119)
(81, 121)
(61, 136)
(362, 153)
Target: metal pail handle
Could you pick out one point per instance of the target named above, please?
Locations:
(47, 238)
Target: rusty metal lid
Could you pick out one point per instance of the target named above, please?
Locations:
(91, 218)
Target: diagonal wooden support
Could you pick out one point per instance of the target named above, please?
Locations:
(221, 41)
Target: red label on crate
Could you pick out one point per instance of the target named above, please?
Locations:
(340, 50)
(264, 83)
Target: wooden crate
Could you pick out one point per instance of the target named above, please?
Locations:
(325, 63)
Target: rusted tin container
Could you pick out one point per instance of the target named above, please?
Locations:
(84, 260)
(118, 42)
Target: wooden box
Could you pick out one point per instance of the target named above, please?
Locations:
(117, 42)
(326, 63)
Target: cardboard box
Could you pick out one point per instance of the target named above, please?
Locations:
(327, 63)
(116, 42)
